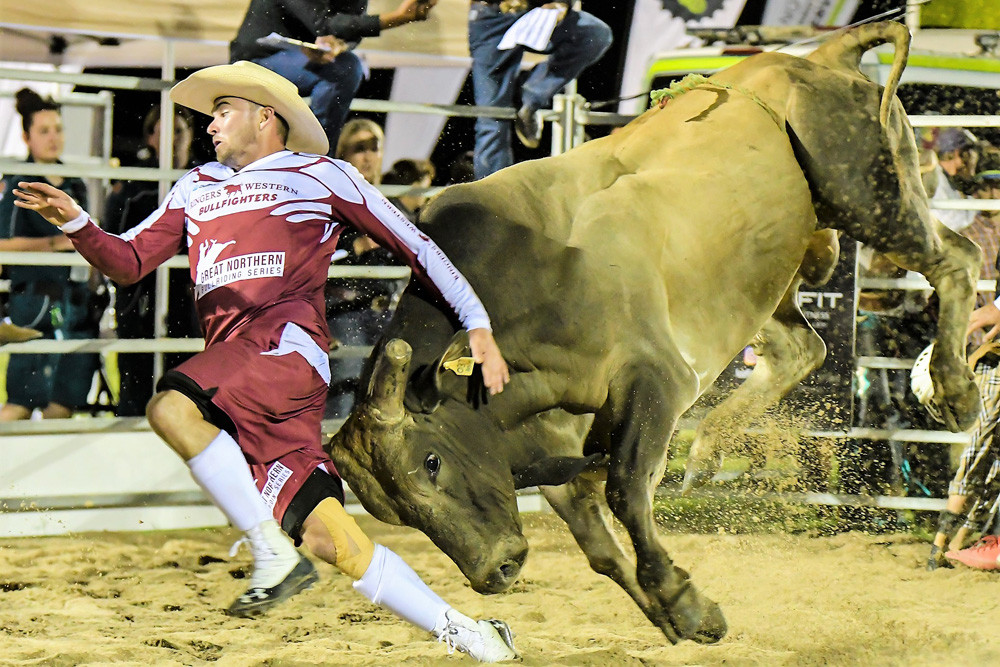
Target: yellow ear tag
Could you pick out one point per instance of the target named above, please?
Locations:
(461, 366)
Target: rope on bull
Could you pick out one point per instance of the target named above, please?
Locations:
(662, 96)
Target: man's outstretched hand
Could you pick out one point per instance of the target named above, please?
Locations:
(487, 354)
(49, 202)
(986, 316)
(408, 11)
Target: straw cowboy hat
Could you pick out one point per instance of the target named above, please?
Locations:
(252, 82)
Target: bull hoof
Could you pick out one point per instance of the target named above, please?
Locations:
(966, 407)
(713, 625)
(693, 616)
(699, 472)
(701, 622)
(955, 397)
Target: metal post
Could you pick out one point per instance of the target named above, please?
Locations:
(566, 130)
(166, 148)
(168, 72)
(109, 115)
(579, 121)
(913, 15)
(108, 98)
(559, 123)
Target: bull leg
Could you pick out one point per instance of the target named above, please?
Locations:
(581, 504)
(639, 418)
(886, 208)
(787, 350)
(952, 268)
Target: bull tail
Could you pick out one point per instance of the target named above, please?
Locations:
(845, 53)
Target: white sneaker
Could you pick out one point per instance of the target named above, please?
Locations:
(279, 570)
(486, 641)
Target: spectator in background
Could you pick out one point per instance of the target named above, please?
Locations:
(148, 156)
(985, 228)
(56, 300)
(135, 305)
(416, 174)
(895, 324)
(360, 143)
(956, 164)
(331, 77)
(462, 168)
(578, 41)
(958, 156)
(975, 489)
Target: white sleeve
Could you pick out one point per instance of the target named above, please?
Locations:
(379, 219)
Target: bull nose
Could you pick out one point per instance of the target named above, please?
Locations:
(504, 573)
(511, 569)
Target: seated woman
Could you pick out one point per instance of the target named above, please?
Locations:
(54, 300)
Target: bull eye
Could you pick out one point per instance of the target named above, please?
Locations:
(433, 464)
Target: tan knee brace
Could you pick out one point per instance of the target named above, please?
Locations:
(354, 548)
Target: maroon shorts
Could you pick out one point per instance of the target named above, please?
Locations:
(272, 405)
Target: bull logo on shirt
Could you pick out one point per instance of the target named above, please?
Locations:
(208, 253)
(234, 189)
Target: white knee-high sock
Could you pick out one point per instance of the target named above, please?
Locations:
(222, 472)
(390, 582)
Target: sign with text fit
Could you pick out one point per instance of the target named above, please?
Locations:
(825, 399)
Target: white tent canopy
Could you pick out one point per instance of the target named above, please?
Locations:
(431, 57)
(202, 28)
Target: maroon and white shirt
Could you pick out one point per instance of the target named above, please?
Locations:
(260, 241)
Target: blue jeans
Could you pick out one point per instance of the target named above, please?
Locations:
(332, 86)
(35, 380)
(577, 42)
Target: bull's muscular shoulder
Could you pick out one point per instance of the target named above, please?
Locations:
(544, 195)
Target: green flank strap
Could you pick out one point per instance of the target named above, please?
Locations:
(692, 81)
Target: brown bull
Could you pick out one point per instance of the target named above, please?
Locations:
(622, 278)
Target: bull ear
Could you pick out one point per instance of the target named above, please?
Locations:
(555, 470)
(424, 392)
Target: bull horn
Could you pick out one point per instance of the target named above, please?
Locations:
(388, 381)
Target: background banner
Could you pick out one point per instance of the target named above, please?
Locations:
(810, 12)
(659, 25)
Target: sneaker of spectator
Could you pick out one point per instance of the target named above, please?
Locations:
(11, 333)
(528, 127)
(983, 555)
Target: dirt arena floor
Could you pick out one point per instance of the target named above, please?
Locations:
(156, 599)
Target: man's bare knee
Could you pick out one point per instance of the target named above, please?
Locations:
(178, 421)
(168, 408)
